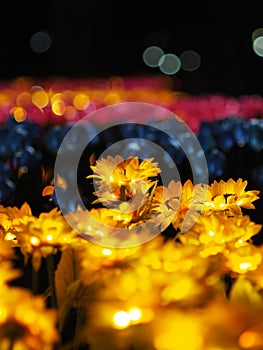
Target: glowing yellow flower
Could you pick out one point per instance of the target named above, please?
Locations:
(256, 275)
(185, 203)
(140, 287)
(230, 196)
(166, 202)
(173, 203)
(243, 259)
(213, 232)
(126, 214)
(8, 217)
(167, 271)
(132, 221)
(44, 235)
(122, 178)
(25, 323)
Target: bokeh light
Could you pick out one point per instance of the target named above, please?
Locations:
(169, 64)
(40, 42)
(258, 46)
(257, 33)
(152, 56)
(121, 319)
(190, 60)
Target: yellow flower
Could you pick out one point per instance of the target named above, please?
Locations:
(213, 232)
(44, 235)
(8, 217)
(243, 259)
(166, 202)
(176, 202)
(25, 323)
(138, 288)
(256, 275)
(121, 178)
(230, 196)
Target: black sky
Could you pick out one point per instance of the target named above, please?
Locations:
(104, 38)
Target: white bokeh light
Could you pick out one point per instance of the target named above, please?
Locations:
(152, 55)
(169, 64)
(258, 46)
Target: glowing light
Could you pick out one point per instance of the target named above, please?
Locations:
(34, 241)
(23, 99)
(106, 251)
(58, 107)
(99, 233)
(211, 233)
(70, 112)
(244, 265)
(258, 46)
(23, 170)
(152, 55)
(121, 319)
(10, 236)
(135, 314)
(40, 42)
(49, 237)
(190, 60)
(111, 98)
(81, 101)
(19, 114)
(169, 64)
(250, 339)
(40, 99)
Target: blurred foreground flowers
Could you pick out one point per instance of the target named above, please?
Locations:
(148, 267)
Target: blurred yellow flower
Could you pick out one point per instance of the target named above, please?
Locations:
(213, 232)
(44, 235)
(174, 329)
(243, 259)
(25, 322)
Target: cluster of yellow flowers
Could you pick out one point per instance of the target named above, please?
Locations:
(132, 286)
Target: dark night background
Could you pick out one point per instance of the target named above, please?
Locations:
(104, 38)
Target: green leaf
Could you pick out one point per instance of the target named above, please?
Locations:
(67, 284)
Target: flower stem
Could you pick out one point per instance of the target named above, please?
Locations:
(11, 344)
(80, 320)
(123, 193)
(51, 281)
(34, 281)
